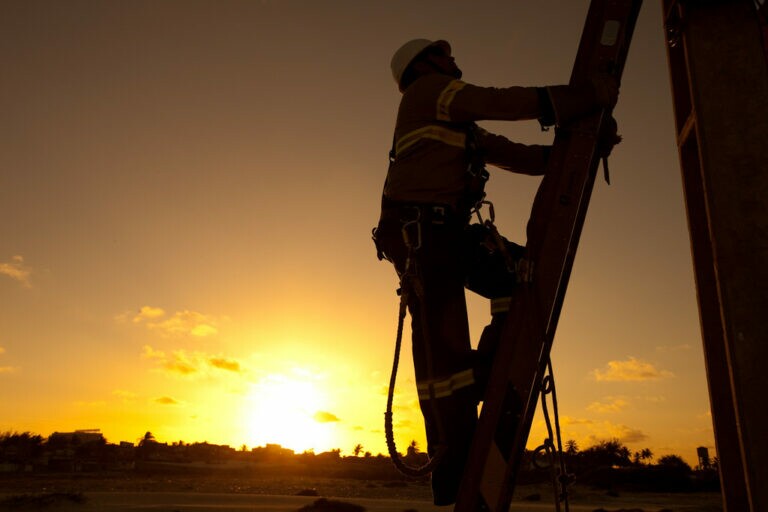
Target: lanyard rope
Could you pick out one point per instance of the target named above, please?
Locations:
(409, 282)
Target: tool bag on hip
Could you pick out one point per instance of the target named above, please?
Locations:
(490, 272)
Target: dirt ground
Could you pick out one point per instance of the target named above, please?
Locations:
(79, 493)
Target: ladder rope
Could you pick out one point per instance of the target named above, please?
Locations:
(561, 479)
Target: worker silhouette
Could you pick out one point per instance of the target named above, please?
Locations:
(435, 179)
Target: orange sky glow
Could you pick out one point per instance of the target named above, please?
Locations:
(187, 190)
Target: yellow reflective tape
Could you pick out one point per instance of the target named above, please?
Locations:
(446, 387)
(500, 305)
(433, 132)
(445, 99)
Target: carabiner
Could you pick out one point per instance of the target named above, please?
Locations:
(491, 212)
(406, 237)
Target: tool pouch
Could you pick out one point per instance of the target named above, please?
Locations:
(489, 272)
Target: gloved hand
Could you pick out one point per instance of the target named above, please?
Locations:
(608, 138)
(569, 102)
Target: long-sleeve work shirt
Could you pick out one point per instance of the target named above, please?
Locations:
(433, 122)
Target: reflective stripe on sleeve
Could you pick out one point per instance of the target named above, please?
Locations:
(500, 305)
(445, 99)
(434, 132)
(446, 387)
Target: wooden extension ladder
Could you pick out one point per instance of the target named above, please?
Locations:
(553, 235)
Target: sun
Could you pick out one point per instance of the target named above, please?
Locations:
(289, 410)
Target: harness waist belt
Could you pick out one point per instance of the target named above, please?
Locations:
(432, 213)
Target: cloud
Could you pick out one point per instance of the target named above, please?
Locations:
(224, 364)
(150, 353)
(182, 363)
(178, 362)
(148, 313)
(623, 433)
(405, 424)
(16, 270)
(589, 432)
(630, 370)
(325, 417)
(166, 400)
(181, 323)
(613, 405)
(6, 369)
(568, 420)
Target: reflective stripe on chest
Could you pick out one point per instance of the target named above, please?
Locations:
(440, 133)
(432, 132)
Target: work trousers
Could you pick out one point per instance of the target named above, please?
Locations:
(442, 352)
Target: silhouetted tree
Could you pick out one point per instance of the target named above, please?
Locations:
(358, 448)
(571, 448)
(147, 438)
(646, 455)
(147, 446)
(20, 447)
(674, 461)
(607, 453)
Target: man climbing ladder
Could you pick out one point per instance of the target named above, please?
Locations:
(434, 183)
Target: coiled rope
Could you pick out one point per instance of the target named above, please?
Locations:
(561, 479)
(400, 464)
(408, 280)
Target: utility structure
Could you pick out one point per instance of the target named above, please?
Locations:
(717, 62)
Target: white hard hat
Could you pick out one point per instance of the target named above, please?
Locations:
(406, 53)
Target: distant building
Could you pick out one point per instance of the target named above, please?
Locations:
(271, 452)
(81, 450)
(78, 437)
(704, 461)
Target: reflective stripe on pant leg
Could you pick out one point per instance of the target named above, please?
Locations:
(446, 387)
(500, 305)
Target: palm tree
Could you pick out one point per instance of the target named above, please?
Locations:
(147, 438)
(571, 448)
(646, 455)
(358, 448)
(146, 446)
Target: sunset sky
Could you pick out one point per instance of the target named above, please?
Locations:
(187, 190)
